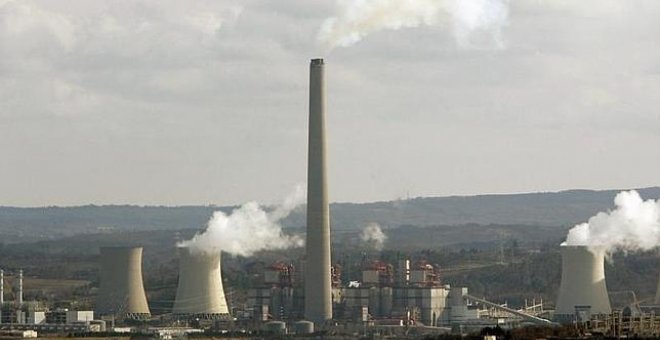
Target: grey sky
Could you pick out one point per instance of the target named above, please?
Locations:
(178, 102)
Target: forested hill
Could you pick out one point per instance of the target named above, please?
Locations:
(542, 209)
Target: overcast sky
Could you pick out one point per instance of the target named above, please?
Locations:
(205, 102)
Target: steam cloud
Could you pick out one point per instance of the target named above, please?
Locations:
(373, 235)
(633, 225)
(475, 23)
(248, 229)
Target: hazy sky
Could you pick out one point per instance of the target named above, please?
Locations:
(182, 102)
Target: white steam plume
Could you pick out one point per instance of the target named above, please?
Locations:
(633, 225)
(475, 23)
(373, 235)
(248, 229)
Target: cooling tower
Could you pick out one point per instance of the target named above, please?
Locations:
(318, 295)
(582, 282)
(121, 292)
(200, 293)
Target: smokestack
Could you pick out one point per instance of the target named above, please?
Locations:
(657, 294)
(122, 292)
(2, 287)
(200, 293)
(20, 287)
(318, 294)
(582, 282)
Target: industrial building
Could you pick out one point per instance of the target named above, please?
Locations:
(410, 294)
(121, 292)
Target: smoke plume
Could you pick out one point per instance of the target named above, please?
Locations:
(634, 224)
(373, 235)
(475, 23)
(248, 229)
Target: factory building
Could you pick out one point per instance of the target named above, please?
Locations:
(279, 296)
(200, 293)
(583, 291)
(411, 292)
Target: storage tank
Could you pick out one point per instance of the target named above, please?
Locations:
(582, 282)
(121, 291)
(303, 327)
(276, 327)
(200, 293)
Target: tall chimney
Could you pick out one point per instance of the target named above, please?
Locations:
(657, 294)
(318, 291)
(2, 287)
(20, 287)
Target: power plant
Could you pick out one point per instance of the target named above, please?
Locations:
(318, 286)
(402, 295)
(200, 293)
(583, 287)
(121, 291)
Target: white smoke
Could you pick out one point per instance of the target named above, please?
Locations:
(475, 23)
(633, 225)
(248, 229)
(373, 235)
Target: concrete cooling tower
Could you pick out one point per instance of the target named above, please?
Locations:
(200, 293)
(318, 289)
(122, 292)
(582, 283)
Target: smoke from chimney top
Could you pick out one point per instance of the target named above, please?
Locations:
(476, 24)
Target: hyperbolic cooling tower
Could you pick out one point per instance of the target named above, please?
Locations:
(121, 292)
(200, 291)
(582, 281)
(318, 294)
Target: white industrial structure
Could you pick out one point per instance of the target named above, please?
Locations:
(121, 292)
(19, 298)
(318, 286)
(583, 285)
(200, 293)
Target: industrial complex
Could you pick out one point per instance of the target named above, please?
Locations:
(309, 296)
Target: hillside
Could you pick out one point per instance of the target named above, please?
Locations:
(534, 209)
